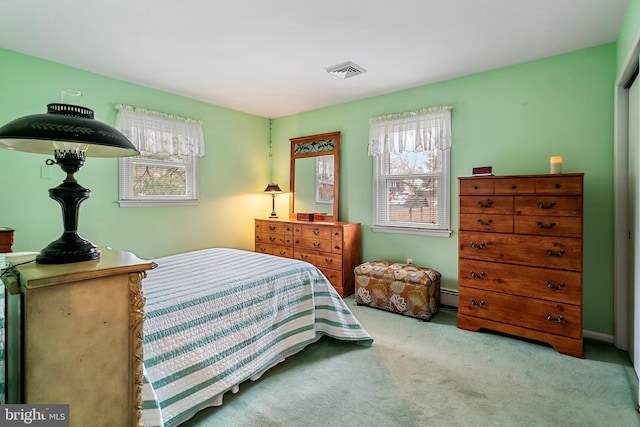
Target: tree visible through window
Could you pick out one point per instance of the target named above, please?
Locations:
(159, 180)
(413, 187)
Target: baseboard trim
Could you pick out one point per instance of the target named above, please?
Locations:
(449, 297)
(598, 336)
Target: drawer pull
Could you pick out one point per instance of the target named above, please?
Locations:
(558, 319)
(480, 246)
(316, 232)
(543, 206)
(328, 260)
(547, 227)
(557, 287)
(487, 205)
(486, 224)
(476, 275)
(272, 228)
(316, 244)
(552, 253)
(479, 304)
(304, 256)
(475, 187)
(263, 249)
(272, 239)
(336, 247)
(513, 186)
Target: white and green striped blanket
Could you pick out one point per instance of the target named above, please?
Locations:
(218, 317)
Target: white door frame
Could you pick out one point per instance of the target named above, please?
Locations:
(622, 305)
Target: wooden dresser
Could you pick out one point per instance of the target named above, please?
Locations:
(520, 257)
(333, 247)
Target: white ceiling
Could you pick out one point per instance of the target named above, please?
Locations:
(268, 57)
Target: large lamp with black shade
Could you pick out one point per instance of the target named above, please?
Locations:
(71, 134)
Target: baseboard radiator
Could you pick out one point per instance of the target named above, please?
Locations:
(449, 297)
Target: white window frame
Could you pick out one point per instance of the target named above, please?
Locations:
(164, 141)
(398, 134)
(381, 204)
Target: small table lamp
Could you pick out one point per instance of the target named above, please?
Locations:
(273, 189)
(70, 133)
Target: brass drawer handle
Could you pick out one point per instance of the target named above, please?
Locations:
(316, 245)
(543, 206)
(328, 260)
(557, 287)
(272, 239)
(316, 232)
(558, 319)
(487, 205)
(486, 224)
(272, 227)
(546, 227)
(478, 304)
(304, 256)
(480, 246)
(552, 253)
(476, 275)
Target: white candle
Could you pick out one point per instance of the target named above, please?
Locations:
(556, 164)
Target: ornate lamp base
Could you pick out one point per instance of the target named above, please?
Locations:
(70, 247)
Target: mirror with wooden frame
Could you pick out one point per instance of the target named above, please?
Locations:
(314, 180)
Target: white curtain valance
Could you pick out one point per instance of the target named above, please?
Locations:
(155, 133)
(422, 130)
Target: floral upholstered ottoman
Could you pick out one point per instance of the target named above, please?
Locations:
(401, 288)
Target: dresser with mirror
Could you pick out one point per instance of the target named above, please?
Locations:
(320, 238)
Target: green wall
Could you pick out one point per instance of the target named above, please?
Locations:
(514, 119)
(233, 173)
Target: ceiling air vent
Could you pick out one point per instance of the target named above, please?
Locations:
(346, 70)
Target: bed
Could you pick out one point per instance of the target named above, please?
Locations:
(218, 317)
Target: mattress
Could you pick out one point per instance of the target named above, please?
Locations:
(218, 317)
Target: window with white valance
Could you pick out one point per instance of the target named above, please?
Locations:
(166, 171)
(411, 163)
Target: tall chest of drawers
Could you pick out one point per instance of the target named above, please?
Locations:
(520, 257)
(334, 247)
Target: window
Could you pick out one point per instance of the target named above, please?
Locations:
(411, 183)
(166, 171)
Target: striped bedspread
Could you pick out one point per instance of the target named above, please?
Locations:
(218, 317)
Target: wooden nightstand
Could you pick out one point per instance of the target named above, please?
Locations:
(6, 239)
(74, 334)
